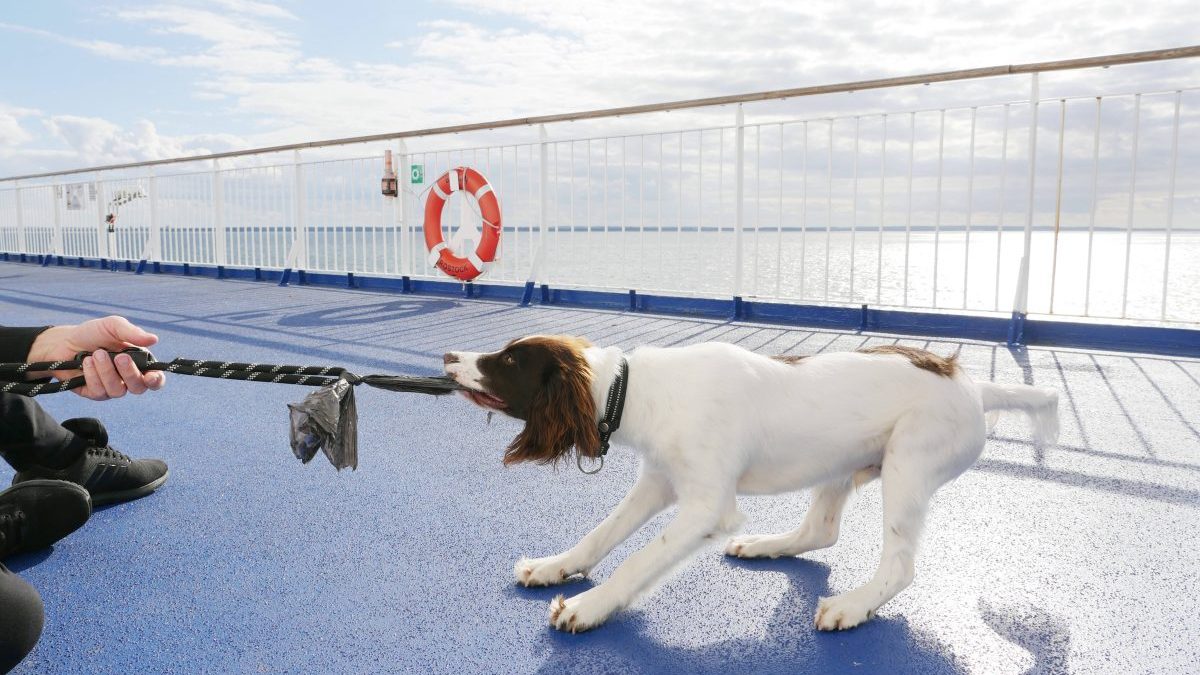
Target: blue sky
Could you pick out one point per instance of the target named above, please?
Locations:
(107, 81)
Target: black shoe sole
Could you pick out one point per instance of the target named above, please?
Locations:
(104, 498)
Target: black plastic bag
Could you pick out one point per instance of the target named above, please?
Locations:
(326, 420)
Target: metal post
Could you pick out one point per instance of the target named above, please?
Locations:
(298, 256)
(57, 244)
(1016, 327)
(1133, 165)
(1062, 134)
(854, 206)
(1162, 315)
(21, 243)
(154, 247)
(544, 203)
(739, 245)
(218, 209)
(1087, 283)
(405, 267)
(102, 247)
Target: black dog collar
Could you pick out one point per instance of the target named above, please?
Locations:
(613, 408)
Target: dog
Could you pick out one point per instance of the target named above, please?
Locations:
(713, 420)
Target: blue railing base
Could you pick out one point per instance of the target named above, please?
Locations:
(1017, 332)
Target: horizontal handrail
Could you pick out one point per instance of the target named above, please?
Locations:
(881, 83)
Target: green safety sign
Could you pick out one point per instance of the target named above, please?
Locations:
(417, 173)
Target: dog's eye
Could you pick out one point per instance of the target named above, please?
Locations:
(508, 360)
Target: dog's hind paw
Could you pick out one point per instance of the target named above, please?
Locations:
(544, 571)
(582, 612)
(754, 546)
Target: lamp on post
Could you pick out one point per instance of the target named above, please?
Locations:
(388, 185)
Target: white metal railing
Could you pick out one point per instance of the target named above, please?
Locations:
(1064, 205)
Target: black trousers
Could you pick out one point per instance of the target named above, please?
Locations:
(21, 617)
(28, 436)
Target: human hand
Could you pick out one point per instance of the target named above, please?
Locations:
(105, 377)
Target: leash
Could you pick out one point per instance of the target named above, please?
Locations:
(614, 407)
(326, 420)
(224, 370)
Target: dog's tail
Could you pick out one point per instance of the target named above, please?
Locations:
(1040, 405)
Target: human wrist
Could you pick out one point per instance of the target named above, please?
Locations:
(47, 344)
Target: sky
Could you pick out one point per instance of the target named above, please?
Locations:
(104, 81)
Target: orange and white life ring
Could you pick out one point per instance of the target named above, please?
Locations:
(471, 266)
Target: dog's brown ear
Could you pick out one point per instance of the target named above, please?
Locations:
(562, 415)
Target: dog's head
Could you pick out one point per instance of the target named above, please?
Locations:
(545, 381)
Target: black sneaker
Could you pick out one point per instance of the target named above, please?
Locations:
(108, 475)
(37, 513)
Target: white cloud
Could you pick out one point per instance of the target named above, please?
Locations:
(106, 143)
(244, 56)
(103, 48)
(12, 134)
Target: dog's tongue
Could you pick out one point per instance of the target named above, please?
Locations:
(485, 400)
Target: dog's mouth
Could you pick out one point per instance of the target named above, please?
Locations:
(485, 400)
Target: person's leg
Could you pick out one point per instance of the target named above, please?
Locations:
(74, 450)
(30, 437)
(21, 618)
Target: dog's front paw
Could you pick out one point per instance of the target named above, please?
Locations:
(582, 612)
(842, 612)
(544, 571)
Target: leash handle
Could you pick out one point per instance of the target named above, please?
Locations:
(141, 358)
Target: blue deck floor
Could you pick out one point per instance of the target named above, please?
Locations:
(1080, 558)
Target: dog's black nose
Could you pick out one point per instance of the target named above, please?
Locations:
(449, 357)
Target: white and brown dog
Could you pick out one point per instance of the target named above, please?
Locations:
(713, 420)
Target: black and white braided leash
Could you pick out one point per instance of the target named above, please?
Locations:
(12, 375)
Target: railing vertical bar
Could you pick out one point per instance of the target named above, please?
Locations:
(605, 239)
(970, 211)
(155, 236)
(588, 238)
(699, 197)
(912, 144)
(882, 213)
(243, 214)
(661, 282)
(1021, 298)
(757, 198)
(531, 180)
(56, 237)
(779, 223)
(1162, 315)
(1062, 133)
(1133, 157)
(937, 216)
(300, 244)
(1000, 218)
(854, 207)
(804, 213)
(720, 229)
(380, 217)
(401, 210)
(556, 222)
(348, 212)
(573, 235)
(22, 238)
(679, 261)
(641, 281)
(828, 209)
